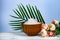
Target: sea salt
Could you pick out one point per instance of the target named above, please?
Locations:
(31, 21)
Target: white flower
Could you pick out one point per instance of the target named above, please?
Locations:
(45, 26)
(52, 27)
(43, 33)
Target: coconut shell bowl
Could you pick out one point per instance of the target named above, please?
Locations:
(31, 30)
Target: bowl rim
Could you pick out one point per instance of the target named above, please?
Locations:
(31, 24)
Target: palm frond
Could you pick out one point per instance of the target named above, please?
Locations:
(23, 14)
(35, 13)
(25, 11)
(14, 17)
(41, 17)
(28, 11)
(17, 28)
(18, 21)
(19, 14)
(31, 12)
(14, 10)
(14, 24)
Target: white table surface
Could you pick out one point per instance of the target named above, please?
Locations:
(23, 36)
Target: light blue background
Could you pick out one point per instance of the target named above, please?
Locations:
(50, 9)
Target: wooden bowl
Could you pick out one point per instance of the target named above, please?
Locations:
(31, 30)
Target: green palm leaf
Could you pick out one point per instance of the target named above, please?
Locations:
(15, 12)
(14, 17)
(35, 13)
(14, 24)
(31, 12)
(23, 14)
(19, 14)
(18, 21)
(17, 28)
(25, 11)
(41, 17)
